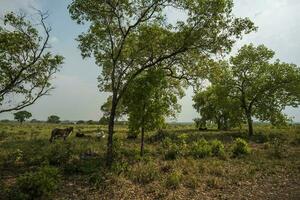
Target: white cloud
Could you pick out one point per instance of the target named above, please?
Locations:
(53, 40)
(18, 5)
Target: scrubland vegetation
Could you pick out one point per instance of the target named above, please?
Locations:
(147, 63)
(179, 162)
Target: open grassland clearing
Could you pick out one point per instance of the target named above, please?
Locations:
(179, 162)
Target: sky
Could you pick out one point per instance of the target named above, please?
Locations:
(76, 95)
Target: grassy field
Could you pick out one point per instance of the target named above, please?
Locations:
(180, 162)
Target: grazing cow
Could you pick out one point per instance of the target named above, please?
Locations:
(64, 133)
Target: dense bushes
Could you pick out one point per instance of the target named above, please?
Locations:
(197, 149)
(36, 185)
(217, 148)
(240, 147)
(59, 154)
(201, 149)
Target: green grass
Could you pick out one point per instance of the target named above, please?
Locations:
(270, 170)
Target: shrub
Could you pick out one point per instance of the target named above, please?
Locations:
(201, 149)
(277, 144)
(59, 154)
(99, 179)
(119, 167)
(240, 147)
(144, 173)
(173, 152)
(217, 148)
(36, 185)
(117, 146)
(174, 179)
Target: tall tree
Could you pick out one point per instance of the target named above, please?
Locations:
(21, 116)
(53, 119)
(262, 86)
(149, 100)
(26, 67)
(128, 37)
(214, 105)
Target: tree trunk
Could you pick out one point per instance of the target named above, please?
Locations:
(142, 140)
(143, 130)
(250, 123)
(109, 154)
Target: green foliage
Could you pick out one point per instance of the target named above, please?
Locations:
(201, 149)
(174, 180)
(214, 105)
(27, 68)
(240, 148)
(53, 119)
(36, 185)
(278, 145)
(99, 179)
(217, 148)
(263, 87)
(150, 99)
(172, 150)
(128, 38)
(59, 154)
(22, 115)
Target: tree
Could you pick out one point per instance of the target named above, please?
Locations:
(53, 119)
(149, 100)
(22, 115)
(26, 67)
(106, 108)
(215, 105)
(128, 37)
(262, 87)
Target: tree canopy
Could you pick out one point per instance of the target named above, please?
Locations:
(214, 105)
(149, 100)
(128, 37)
(263, 87)
(53, 119)
(21, 116)
(26, 66)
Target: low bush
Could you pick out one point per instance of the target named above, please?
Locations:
(143, 173)
(217, 148)
(99, 179)
(173, 152)
(201, 149)
(240, 148)
(174, 180)
(36, 185)
(59, 154)
(277, 145)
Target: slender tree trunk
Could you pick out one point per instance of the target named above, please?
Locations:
(250, 123)
(143, 130)
(142, 140)
(109, 154)
(219, 124)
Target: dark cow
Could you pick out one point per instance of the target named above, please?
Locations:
(64, 133)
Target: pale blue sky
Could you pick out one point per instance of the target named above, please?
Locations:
(76, 95)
